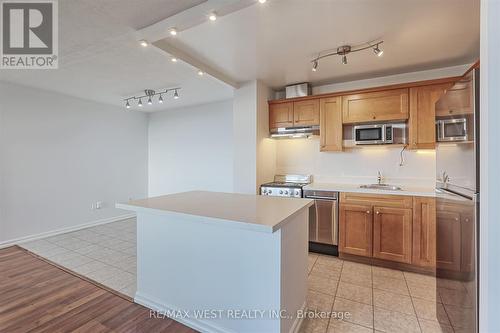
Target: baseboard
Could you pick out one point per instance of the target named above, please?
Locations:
(65, 230)
(298, 321)
(196, 324)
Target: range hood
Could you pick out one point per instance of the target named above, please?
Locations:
(294, 132)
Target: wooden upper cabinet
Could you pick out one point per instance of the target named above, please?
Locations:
(375, 106)
(424, 232)
(306, 113)
(422, 121)
(459, 99)
(355, 230)
(281, 115)
(392, 231)
(330, 132)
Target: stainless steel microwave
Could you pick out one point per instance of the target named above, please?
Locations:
(379, 134)
(449, 130)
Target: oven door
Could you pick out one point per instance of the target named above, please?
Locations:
(323, 221)
(369, 134)
(452, 130)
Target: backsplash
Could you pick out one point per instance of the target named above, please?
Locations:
(357, 165)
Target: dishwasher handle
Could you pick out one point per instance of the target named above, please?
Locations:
(320, 198)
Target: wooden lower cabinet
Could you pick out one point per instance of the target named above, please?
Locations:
(392, 229)
(424, 232)
(355, 227)
(448, 237)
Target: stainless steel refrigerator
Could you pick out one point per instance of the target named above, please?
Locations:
(457, 204)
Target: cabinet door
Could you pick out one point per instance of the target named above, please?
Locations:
(458, 100)
(424, 232)
(448, 239)
(330, 132)
(422, 122)
(467, 243)
(375, 106)
(392, 234)
(280, 115)
(355, 230)
(306, 113)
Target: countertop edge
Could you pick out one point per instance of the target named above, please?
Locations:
(230, 223)
(354, 188)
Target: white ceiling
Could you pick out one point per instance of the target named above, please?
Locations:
(276, 41)
(101, 60)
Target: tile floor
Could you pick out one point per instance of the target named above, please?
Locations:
(104, 253)
(382, 300)
(378, 299)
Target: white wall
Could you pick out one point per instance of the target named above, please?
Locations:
(489, 264)
(355, 165)
(245, 138)
(60, 154)
(191, 149)
(393, 79)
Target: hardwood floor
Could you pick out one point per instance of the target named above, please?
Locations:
(36, 296)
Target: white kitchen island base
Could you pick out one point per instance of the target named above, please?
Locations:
(220, 275)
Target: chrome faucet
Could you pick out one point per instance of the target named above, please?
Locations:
(379, 178)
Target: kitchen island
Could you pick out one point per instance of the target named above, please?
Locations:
(223, 262)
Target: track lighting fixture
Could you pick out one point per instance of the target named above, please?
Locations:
(173, 32)
(200, 72)
(173, 59)
(212, 17)
(149, 94)
(315, 66)
(143, 43)
(344, 50)
(378, 51)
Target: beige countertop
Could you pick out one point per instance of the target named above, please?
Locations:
(406, 190)
(260, 213)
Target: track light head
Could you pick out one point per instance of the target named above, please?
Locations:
(127, 105)
(344, 59)
(200, 72)
(378, 51)
(176, 94)
(173, 32)
(173, 59)
(315, 66)
(150, 101)
(160, 100)
(140, 103)
(212, 16)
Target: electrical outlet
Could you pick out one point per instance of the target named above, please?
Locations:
(92, 206)
(98, 205)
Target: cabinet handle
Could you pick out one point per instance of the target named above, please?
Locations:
(367, 212)
(377, 212)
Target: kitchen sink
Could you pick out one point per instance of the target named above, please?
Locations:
(382, 187)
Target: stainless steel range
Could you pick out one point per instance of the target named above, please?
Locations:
(286, 186)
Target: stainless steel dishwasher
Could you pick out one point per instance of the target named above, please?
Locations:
(323, 220)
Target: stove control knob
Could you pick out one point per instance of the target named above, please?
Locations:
(297, 193)
(281, 192)
(286, 192)
(270, 192)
